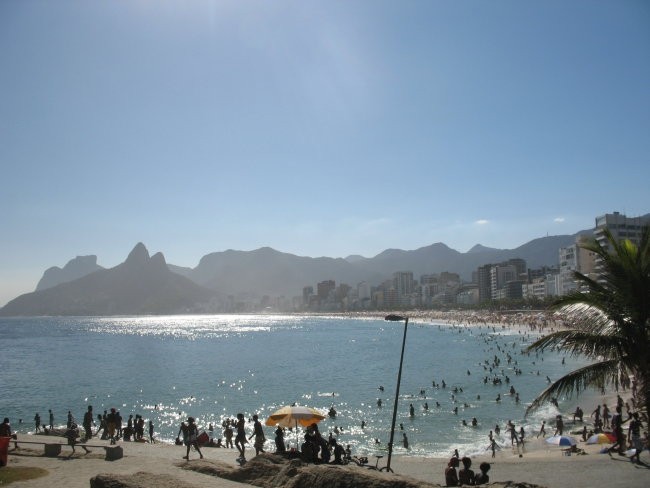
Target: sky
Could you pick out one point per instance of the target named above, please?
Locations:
(316, 128)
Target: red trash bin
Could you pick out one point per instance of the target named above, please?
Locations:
(4, 448)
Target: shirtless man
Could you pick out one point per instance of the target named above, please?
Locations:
(240, 439)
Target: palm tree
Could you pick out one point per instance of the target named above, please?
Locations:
(609, 322)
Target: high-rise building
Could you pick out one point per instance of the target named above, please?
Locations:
(363, 290)
(484, 283)
(500, 275)
(324, 288)
(307, 292)
(621, 227)
(403, 283)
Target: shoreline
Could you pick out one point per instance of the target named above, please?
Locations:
(545, 467)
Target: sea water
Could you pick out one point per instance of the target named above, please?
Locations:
(166, 368)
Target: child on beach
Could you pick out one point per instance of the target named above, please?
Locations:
(228, 433)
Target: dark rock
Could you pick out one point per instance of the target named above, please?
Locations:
(271, 471)
(138, 480)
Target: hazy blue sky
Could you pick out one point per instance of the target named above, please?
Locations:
(317, 128)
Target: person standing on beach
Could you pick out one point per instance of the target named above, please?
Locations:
(513, 433)
(260, 438)
(151, 432)
(596, 415)
(110, 425)
(240, 439)
(617, 427)
(118, 424)
(228, 433)
(192, 436)
(279, 440)
(37, 422)
(69, 419)
(51, 419)
(634, 437)
(88, 422)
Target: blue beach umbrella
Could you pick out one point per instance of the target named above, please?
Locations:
(561, 440)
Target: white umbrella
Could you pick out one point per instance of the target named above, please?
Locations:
(561, 440)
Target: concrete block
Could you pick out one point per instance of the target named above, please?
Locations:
(52, 450)
(113, 453)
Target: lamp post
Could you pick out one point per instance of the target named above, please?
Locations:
(396, 318)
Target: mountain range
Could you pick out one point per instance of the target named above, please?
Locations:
(145, 284)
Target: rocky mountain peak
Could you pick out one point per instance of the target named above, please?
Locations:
(139, 255)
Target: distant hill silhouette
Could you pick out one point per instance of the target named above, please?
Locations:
(140, 285)
(75, 268)
(148, 285)
(266, 271)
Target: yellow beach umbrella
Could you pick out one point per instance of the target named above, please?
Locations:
(292, 416)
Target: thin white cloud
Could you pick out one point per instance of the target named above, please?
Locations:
(482, 222)
(558, 219)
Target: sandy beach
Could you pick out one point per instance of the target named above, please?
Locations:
(543, 466)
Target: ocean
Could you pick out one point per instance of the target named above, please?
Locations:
(166, 368)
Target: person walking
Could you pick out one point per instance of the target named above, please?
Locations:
(240, 439)
(71, 435)
(192, 436)
(258, 433)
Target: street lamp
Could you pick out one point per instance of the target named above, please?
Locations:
(396, 318)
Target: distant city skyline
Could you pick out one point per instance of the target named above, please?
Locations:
(315, 128)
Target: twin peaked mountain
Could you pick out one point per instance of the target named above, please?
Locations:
(140, 285)
(145, 284)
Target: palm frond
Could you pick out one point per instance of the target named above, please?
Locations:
(581, 343)
(597, 374)
(585, 315)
